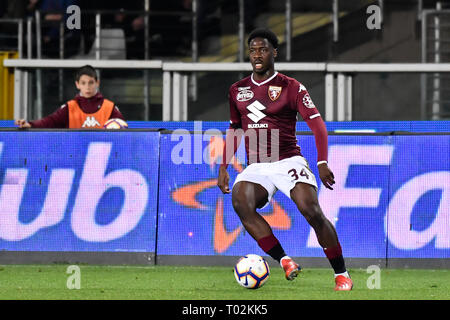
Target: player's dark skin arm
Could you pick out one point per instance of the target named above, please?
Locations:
(223, 180)
(319, 130)
(232, 143)
(326, 175)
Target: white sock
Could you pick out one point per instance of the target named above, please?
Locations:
(345, 274)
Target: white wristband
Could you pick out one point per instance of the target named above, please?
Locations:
(320, 162)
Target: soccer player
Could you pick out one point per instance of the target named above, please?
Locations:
(265, 104)
(89, 109)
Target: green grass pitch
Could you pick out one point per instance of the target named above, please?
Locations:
(49, 282)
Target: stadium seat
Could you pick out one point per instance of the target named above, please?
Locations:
(112, 45)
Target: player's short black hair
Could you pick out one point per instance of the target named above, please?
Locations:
(265, 34)
(86, 70)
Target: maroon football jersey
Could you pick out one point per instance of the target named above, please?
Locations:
(268, 110)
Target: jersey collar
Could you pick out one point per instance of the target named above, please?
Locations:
(265, 81)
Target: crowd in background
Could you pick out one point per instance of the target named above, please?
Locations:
(53, 12)
(169, 32)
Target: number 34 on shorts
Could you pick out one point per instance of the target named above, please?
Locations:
(296, 175)
(292, 171)
(282, 175)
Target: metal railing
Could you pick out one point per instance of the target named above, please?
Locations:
(435, 97)
(23, 68)
(17, 36)
(338, 80)
(99, 49)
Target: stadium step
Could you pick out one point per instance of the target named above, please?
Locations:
(301, 23)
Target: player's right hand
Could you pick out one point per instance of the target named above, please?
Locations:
(223, 180)
(22, 123)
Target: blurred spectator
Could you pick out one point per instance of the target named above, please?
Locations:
(14, 9)
(208, 17)
(207, 14)
(211, 12)
(53, 14)
(18, 9)
(133, 23)
(170, 27)
(251, 9)
(2, 8)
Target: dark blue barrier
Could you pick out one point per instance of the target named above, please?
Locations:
(361, 126)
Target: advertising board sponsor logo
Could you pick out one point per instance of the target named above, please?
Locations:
(83, 198)
(397, 204)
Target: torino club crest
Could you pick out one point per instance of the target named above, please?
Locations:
(274, 92)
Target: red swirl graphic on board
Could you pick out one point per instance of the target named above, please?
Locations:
(223, 238)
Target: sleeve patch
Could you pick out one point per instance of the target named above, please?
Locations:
(307, 101)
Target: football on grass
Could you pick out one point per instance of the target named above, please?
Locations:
(115, 123)
(251, 271)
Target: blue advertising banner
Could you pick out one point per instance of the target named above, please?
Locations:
(418, 215)
(78, 191)
(115, 191)
(391, 199)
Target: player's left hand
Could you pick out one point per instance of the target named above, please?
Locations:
(223, 180)
(326, 175)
